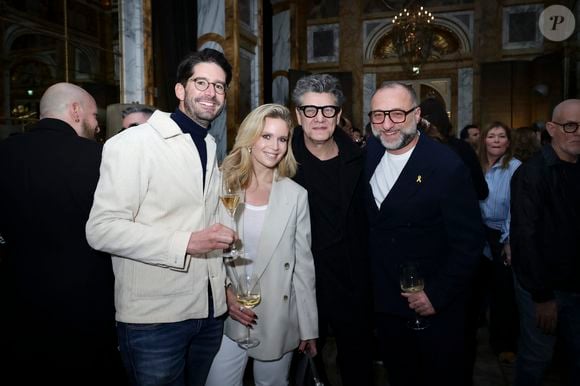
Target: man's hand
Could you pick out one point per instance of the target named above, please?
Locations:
(547, 316)
(216, 236)
(419, 302)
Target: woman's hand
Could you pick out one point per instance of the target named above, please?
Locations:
(308, 347)
(507, 254)
(237, 312)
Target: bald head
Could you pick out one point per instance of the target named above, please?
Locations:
(565, 141)
(73, 105)
(565, 108)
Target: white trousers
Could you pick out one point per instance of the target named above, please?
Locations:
(230, 363)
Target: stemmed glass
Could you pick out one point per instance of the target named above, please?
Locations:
(231, 196)
(412, 281)
(248, 295)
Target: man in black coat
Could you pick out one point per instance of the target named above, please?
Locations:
(57, 323)
(545, 224)
(331, 169)
(423, 210)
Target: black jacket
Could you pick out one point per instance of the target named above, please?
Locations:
(431, 216)
(342, 265)
(545, 225)
(51, 276)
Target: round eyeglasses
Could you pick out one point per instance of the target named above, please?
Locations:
(396, 116)
(568, 127)
(310, 111)
(201, 84)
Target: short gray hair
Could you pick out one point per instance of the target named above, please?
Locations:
(137, 109)
(318, 83)
(395, 84)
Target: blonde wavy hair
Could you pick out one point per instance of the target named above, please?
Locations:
(238, 164)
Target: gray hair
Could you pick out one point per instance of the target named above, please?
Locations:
(137, 109)
(395, 84)
(318, 83)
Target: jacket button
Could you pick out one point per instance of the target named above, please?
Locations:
(285, 298)
(287, 266)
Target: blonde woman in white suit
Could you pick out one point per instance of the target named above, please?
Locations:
(275, 231)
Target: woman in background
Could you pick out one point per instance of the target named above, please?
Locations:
(499, 165)
(275, 233)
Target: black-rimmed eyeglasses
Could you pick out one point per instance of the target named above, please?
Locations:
(310, 111)
(201, 84)
(396, 116)
(568, 127)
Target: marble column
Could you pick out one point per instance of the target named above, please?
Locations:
(211, 20)
(132, 61)
(281, 56)
(369, 87)
(464, 98)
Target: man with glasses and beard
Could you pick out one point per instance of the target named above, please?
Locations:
(330, 167)
(423, 210)
(153, 211)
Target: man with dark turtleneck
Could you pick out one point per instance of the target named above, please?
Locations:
(153, 211)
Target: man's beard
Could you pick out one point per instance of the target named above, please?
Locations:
(200, 116)
(90, 133)
(406, 136)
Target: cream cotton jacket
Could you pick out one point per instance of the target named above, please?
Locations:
(148, 201)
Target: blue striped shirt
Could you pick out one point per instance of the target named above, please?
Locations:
(495, 209)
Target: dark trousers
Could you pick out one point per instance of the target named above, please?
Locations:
(475, 310)
(503, 311)
(423, 358)
(346, 315)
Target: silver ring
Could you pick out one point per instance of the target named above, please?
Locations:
(241, 308)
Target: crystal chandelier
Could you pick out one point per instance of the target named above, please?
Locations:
(413, 37)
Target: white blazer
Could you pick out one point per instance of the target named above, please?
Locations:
(148, 201)
(287, 312)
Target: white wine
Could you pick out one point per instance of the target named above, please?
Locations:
(231, 202)
(415, 286)
(249, 301)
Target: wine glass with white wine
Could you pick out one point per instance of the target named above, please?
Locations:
(231, 196)
(249, 296)
(412, 281)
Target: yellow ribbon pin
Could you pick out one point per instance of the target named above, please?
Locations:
(419, 179)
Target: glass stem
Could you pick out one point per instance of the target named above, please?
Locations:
(235, 226)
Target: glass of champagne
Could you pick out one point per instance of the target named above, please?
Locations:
(248, 295)
(231, 195)
(412, 281)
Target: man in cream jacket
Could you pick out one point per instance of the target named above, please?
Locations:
(155, 211)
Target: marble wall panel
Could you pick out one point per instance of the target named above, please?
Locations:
(133, 68)
(464, 98)
(520, 27)
(369, 87)
(281, 41)
(280, 90)
(211, 17)
(323, 43)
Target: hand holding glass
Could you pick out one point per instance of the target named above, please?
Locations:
(248, 295)
(411, 281)
(231, 195)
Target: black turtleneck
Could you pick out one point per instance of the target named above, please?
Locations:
(197, 132)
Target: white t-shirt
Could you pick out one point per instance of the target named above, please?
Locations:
(253, 218)
(387, 173)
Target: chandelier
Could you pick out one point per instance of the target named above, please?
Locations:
(413, 37)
